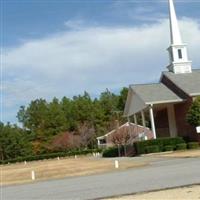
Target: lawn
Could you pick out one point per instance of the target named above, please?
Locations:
(80, 166)
(66, 167)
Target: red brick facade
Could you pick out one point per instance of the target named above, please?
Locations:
(181, 109)
(183, 128)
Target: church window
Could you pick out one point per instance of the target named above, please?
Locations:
(180, 56)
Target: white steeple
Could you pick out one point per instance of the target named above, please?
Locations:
(179, 62)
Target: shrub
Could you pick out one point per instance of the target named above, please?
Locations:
(112, 152)
(193, 145)
(193, 116)
(181, 146)
(50, 155)
(168, 148)
(161, 142)
(152, 149)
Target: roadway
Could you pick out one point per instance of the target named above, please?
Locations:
(160, 174)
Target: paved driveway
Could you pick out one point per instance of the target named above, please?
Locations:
(163, 173)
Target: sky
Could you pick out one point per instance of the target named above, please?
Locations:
(56, 48)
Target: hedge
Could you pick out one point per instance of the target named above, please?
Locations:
(50, 155)
(140, 146)
(152, 149)
(112, 152)
(168, 148)
(181, 146)
(193, 145)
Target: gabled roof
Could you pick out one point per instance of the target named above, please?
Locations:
(140, 96)
(187, 82)
(155, 93)
(143, 95)
(133, 128)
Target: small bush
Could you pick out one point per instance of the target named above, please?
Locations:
(168, 148)
(193, 145)
(152, 149)
(181, 146)
(112, 152)
(140, 146)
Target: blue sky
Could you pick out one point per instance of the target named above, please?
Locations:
(61, 48)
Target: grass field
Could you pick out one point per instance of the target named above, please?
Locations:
(66, 167)
(83, 165)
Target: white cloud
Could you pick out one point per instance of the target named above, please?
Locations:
(147, 13)
(92, 59)
(74, 24)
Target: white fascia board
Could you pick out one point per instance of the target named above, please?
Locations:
(194, 94)
(101, 137)
(162, 102)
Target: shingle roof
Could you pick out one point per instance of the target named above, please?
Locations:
(188, 82)
(155, 93)
(133, 128)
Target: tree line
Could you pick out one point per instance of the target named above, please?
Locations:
(61, 125)
(67, 124)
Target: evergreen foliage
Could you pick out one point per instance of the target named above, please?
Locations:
(193, 116)
(47, 127)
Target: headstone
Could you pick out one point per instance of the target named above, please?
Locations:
(198, 129)
(116, 164)
(33, 175)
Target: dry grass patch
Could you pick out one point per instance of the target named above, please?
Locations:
(184, 154)
(185, 193)
(66, 167)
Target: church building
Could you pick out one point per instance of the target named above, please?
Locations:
(167, 102)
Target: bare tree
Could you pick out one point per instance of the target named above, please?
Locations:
(87, 134)
(121, 138)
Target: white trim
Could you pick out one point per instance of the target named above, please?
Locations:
(167, 101)
(152, 121)
(194, 94)
(135, 119)
(126, 124)
(143, 118)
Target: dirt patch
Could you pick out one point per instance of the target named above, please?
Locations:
(68, 167)
(185, 193)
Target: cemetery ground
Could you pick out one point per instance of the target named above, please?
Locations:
(58, 168)
(61, 167)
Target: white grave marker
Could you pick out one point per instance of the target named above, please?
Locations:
(198, 129)
(33, 175)
(116, 164)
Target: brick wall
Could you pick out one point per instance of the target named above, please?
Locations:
(183, 128)
(181, 109)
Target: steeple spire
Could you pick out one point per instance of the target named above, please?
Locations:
(179, 62)
(174, 27)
